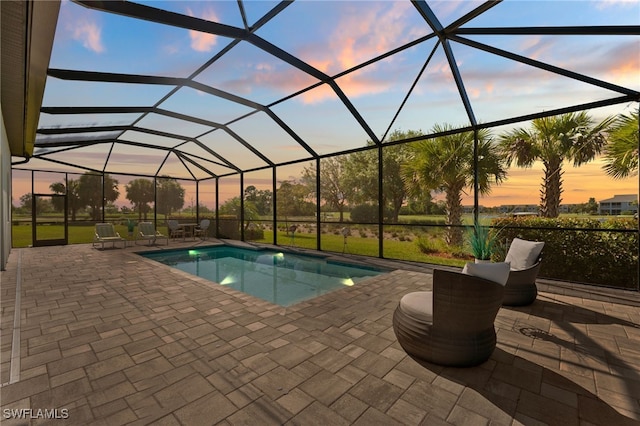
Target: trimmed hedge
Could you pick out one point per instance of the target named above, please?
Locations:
(367, 213)
(228, 227)
(586, 250)
(253, 234)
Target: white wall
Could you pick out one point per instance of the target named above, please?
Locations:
(5, 198)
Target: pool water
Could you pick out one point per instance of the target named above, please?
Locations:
(279, 277)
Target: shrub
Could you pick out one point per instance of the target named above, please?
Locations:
(229, 227)
(406, 210)
(423, 221)
(430, 245)
(367, 213)
(253, 234)
(586, 250)
(364, 213)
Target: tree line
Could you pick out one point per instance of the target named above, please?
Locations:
(447, 164)
(87, 192)
(412, 172)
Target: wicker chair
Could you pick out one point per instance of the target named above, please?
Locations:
(525, 258)
(521, 287)
(457, 329)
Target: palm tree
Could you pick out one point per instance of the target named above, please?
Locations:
(71, 191)
(445, 164)
(552, 140)
(621, 153)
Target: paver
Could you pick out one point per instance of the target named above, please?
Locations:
(131, 343)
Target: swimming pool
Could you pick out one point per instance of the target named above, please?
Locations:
(279, 277)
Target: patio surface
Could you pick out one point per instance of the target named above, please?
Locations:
(107, 337)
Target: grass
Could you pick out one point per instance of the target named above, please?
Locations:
(357, 243)
(22, 234)
(401, 250)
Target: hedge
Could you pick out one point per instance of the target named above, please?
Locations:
(585, 250)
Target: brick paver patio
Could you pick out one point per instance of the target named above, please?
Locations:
(109, 338)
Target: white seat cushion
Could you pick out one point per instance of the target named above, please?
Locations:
(495, 271)
(523, 254)
(418, 305)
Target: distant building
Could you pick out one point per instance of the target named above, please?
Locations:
(565, 208)
(619, 204)
(519, 208)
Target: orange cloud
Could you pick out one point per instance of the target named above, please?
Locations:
(624, 65)
(203, 42)
(489, 87)
(354, 41)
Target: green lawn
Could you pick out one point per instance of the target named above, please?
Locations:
(360, 242)
(22, 234)
(402, 250)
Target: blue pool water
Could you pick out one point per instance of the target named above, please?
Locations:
(279, 277)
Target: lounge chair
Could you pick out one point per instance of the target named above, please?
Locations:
(175, 230)
(525, 260)
(453, 324)
(146, 231)
(201, 230)
(106, 233)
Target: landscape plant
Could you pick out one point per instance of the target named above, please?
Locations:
(482, 241)
(586, 250)
(621, 153)
(572, 137)
(446, 164)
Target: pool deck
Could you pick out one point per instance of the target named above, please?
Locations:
(107, 337)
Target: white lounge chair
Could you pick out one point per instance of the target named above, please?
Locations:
(146, 231)
(106, 233)
(175, 230)
(202, 229)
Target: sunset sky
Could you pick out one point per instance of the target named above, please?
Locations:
(332, 36)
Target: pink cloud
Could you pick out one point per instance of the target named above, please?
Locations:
(203, 42)
(286, 81)
(538, 47)
(89, 33)
(83, 26)
(354, 41)
(623, 65)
